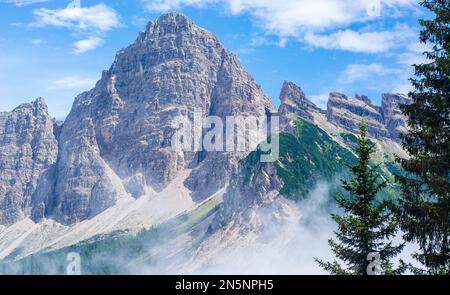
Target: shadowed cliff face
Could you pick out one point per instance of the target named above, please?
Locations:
(27, 147)
(394, 120)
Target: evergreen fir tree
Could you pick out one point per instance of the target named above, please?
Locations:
(425, 205)
(367, 223)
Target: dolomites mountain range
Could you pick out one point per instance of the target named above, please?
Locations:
(114, 146)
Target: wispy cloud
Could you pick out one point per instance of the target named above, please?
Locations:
(414, 54)
(22, 2)
(320, 100)
(88, 44)
(37, 42)
(73, 82)
(364, 72)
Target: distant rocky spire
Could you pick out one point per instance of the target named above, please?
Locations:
(293, 104)
(27, 148)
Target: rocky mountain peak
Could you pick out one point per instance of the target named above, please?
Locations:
(172, 23)
(364, 99)
(291, 92)
(393, 100)
(39, 103)
(338, 96)
(116, 140)
(36, 106)
(294, 103)
(27, 148)
(174, 20)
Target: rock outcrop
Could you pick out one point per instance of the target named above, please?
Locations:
(252, 186)
(386, 121)
(394, 120)
(295, 103)
(28, 147)
(348, 113)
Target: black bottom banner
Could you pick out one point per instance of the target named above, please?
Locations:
(254, 285)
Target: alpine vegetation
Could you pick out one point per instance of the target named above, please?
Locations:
(367, 226)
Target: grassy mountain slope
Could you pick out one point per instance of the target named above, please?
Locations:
(308, 156)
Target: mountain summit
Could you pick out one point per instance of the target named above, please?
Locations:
(115, 142)
(110, 167)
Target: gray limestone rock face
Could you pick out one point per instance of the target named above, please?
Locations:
(294, 104)
(349, 113)
(236, 94)
(28, 147)
(386, 121)
(117, 137)
(294, 101)
(395, 121)
(252, 185)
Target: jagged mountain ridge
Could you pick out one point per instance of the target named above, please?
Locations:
(116, 139)
(385, 121)
(113, 145)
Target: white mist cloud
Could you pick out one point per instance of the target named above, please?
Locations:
(288, 247)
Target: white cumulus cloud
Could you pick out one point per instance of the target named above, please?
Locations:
(349, 40)
(95, 18)
(291, 17)
(93, 22)
(366, 41)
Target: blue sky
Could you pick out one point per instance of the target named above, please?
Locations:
(57, 49)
